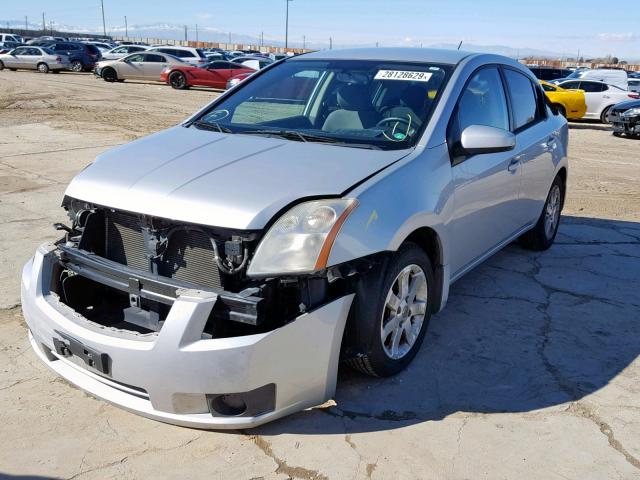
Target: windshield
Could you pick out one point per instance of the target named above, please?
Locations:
(369, 104)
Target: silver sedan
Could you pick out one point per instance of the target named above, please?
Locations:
(34, 58)
(215, 273)
(137, 66)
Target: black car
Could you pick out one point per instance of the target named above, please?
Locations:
(625, 118)
(550, 73)
(82, 56)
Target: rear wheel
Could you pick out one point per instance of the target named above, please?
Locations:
(43, 68)
(109, 75)
(390, 314)
(178, 80)
(76, 66)
(604, 115)
(541, 236)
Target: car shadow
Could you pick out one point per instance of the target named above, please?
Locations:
(523, 331)
(589, 125)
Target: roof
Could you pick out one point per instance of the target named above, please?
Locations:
(431, 55)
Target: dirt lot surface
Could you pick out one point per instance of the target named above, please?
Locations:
(531, 371)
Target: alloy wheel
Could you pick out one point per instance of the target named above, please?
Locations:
(404, 310)
(552, 212)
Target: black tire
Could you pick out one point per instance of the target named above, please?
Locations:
(178, 81)
(2, 66)
(617, 134)
(604, 114)
(365, 348)
(76, 66)
(43, 67)
(541, 237)
(109, 75)
(55, 71)
(561, 110)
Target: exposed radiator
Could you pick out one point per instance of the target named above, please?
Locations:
(188, 257)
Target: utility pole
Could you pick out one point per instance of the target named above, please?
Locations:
(286, 30)
(185, 33)
(377, 44)
(43, 24)
(262, 39)
(304, 42)
(51, 26)
(229, 38)
(196, 32)
(330, 43)
(126, 27)
(26, 23)
(104, 25)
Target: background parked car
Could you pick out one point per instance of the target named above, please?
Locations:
(253, 61)
(609, 76)
(550, 73)
(194, 56)
(625, 118)
(599, 96)
(9, 37)
(82, 56)
(214, 74)
(570, 103)
(137, 66)
(233, 81)
(634, 84)
(122, 51)
(34, 58)
(103, 47)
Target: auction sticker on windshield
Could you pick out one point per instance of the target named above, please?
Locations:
(403, 75)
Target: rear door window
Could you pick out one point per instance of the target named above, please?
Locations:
(523, 98)
(593, 87)
(155, 58)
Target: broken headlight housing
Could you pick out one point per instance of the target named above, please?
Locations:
(632, 112)
(300, 240)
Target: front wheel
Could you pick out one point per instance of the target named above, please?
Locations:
(43, 68)
(76, 66)
(390, 314)
(109, 75)
(541, 236)
(604, 116)
(178, 80)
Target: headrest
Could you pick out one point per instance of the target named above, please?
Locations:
(354, 97)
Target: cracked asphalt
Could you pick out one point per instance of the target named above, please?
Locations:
(531, 371)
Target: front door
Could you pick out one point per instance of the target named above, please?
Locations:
(132, 67)
(486, 186)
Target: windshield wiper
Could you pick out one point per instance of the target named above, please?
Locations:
(308, 137)
(214, 126)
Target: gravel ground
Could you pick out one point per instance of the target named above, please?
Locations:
(530, 372)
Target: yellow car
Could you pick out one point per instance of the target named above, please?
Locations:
(570, 103)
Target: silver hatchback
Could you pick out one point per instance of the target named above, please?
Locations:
(214, 274)
(34, 58)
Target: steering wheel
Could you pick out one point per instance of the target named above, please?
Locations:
(396, 136)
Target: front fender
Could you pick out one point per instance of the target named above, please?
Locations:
(415, 193)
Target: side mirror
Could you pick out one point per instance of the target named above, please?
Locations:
(478, 139)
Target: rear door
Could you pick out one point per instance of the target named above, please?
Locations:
(154, 63)
(536, 144)
(486, 186)
(595, 96)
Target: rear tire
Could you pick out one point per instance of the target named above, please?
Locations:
(390, 313)
(604, 114)
(109, 75)
(43, 68)
(2, 66)
(178, 81)
(76, 66)
(541, 236)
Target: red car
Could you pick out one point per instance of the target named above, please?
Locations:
(214, 74)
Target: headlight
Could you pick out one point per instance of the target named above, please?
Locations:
(632, 112)
(300, 241)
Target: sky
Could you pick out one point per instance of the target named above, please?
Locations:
(558, 26)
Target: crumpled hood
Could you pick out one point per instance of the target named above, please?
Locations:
(627, 105)
(233, 181)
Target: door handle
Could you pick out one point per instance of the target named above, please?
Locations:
(513, 164)
(550, 143)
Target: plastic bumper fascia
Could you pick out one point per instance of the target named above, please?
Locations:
(177, 368)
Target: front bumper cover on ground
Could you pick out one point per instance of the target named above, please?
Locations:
(169, 376)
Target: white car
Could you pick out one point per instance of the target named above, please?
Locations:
(194, 56)
(122, 51)
(600, 97)
(103, 47)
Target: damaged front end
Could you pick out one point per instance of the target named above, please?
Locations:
(161, 318)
